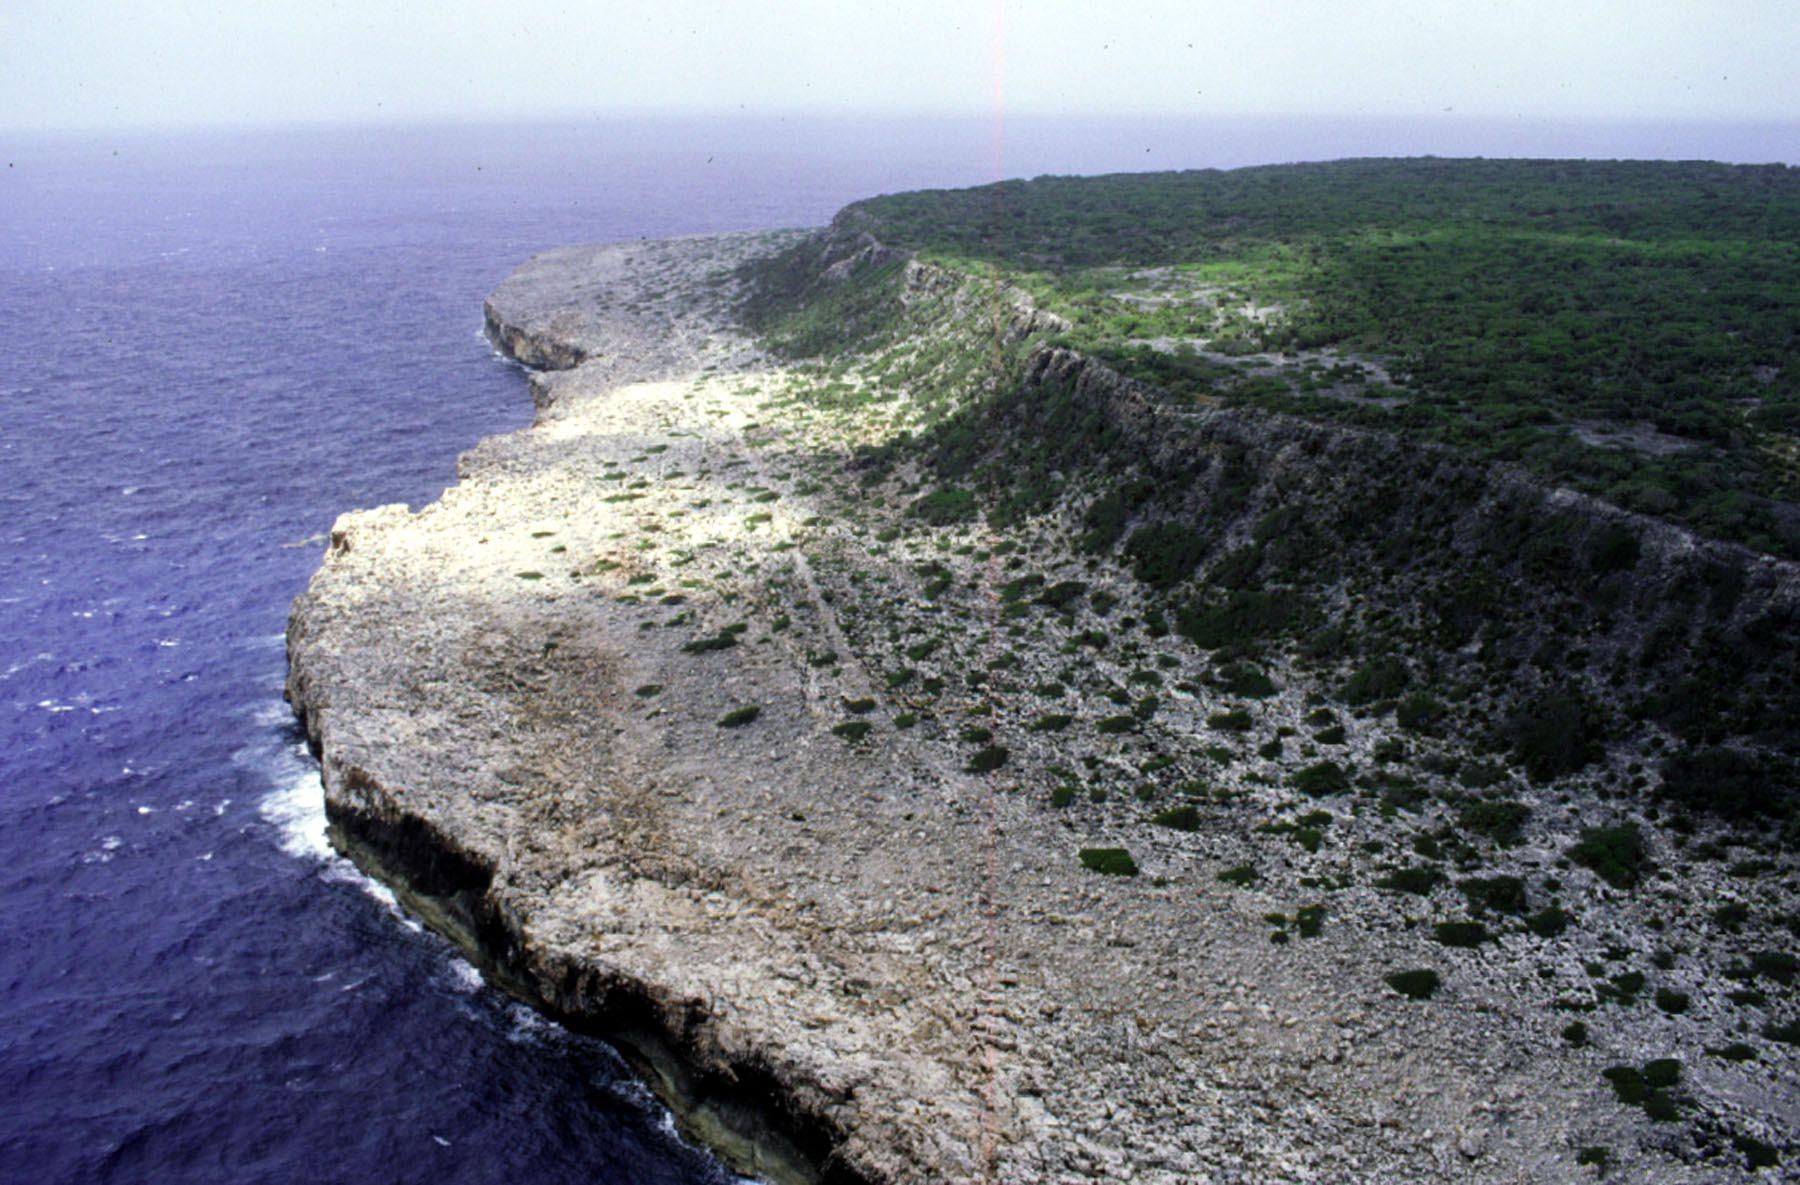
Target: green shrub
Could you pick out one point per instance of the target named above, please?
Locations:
(1421, 984)
(1616, 854)
(1727, 783)
(906, 720)
(1628, 1084)
(1333, 735)
(1757, 1154)
(1420, 712)
(1554, 735)
(1383, 678)
(1240, 875)
(1737, 1051)
(1788, 1032)
(648, 690)
(1501, 821)
(1320, 779)
(852, 730)
(1575, 1033)
(859, 706)
(987, 760)
(1388, 749)
(1062, 796)
(1244, 615)
(1731, 916)
(1110, 513)
(1623, 988)
(1481, 775)
(1164, 554)
(1549, 921)
(1052, 722)
(1180, 818)
(1110, 861)
(1116, 724)
(738, 717)
(1420, 880)
(1017, 589)
(1236, 720)
(1309, 920)
(1779, 965)
(1495, 894)
(725, 639)
(1240, 678)
(1401, 793)
(1461, 934)
(942, 507)
(1062, 594)
(1612, 548)
(1671, 1001)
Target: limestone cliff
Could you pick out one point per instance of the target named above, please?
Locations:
(713, 724)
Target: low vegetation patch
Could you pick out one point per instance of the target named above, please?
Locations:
(1616, 854)
(1419, 984)
(1110, 861)
(987, 759)
(1178, 818)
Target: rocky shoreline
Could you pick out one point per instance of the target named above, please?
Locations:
(599, 713)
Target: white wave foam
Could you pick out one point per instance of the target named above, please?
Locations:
(464, 976)
(528, 1026)
(297, 811)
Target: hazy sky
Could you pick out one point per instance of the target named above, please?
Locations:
(125, 63)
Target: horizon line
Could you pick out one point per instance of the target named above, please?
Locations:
(571, 118)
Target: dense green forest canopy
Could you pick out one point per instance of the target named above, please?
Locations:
(1629, 328)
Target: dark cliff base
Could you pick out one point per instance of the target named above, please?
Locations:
(740, 1111)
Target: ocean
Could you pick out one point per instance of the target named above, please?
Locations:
(213, 344)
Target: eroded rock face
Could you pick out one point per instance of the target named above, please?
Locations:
(846, 958)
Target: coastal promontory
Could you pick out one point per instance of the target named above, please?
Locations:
(1155, 678)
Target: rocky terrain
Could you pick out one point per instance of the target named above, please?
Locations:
(904, 842)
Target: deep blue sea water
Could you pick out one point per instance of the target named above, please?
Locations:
(210, 345)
